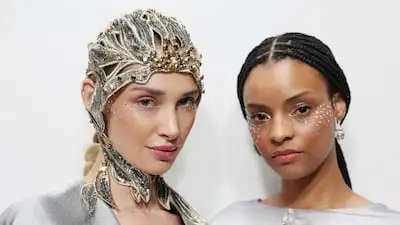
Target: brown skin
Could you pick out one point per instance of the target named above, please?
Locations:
(141, 116)
(288, 107)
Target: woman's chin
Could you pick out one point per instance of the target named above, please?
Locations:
(290, 173)
(157, 168)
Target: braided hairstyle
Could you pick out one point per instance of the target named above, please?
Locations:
(309, 50)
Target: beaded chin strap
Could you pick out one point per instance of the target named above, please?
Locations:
(130, 50)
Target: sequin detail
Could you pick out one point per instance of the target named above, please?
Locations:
(130, 50)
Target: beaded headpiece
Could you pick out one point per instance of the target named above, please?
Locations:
(131, 50)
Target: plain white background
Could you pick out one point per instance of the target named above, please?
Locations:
(44, 129)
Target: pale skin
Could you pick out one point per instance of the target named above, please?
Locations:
(160, 112)
(289, 107)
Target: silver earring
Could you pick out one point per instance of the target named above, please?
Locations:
(339, 132)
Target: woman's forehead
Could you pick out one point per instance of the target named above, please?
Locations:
(284, 75)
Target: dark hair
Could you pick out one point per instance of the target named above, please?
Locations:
(309, 50)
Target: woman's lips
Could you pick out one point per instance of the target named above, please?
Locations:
(164, 152)
(286, 156)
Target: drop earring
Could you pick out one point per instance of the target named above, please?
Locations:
(339, 132)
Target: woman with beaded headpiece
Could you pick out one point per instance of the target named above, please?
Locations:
(142, 87)
(295, 96)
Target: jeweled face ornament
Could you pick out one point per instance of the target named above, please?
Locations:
(142, 90)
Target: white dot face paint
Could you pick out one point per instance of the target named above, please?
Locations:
(289, 107)
(190, 108)
(254, 131)
(302, 118)
(316, 118)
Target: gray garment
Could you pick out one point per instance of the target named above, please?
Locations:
(256, 213)
(66, 208)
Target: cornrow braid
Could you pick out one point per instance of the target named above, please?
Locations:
(309, 50)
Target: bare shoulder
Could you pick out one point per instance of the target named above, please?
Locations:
(272, 200)
(357, 200)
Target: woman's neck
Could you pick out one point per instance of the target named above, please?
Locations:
(324, 189)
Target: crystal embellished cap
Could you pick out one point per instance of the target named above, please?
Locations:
(131, 49)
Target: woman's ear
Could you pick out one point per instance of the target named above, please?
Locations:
(87, 92)
(339, 106)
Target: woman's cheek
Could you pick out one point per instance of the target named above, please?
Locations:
(260, 139)
(319, 119)
(255, 132)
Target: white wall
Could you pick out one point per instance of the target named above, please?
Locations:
(44, 129)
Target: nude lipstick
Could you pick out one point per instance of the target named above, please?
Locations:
(164, 152)
(286, 156)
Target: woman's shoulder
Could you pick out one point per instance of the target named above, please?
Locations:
(29, 211)
(253, 212)
(380, 209)
(62, 206)
(236, 213)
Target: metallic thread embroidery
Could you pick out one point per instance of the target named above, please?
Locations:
(130, 50)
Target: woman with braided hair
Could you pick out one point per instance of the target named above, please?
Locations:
(295, 96)
(142, 118)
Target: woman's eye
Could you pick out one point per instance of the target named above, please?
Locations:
(302, 110)
(146, 103)
(187, 102)
(259, 117)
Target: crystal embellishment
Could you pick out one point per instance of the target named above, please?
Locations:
(290, 218)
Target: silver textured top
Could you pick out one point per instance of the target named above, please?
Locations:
(256, 213)
(65, 208)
